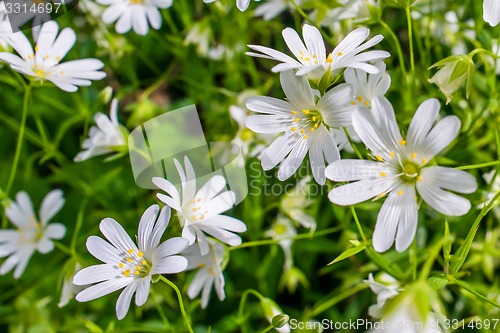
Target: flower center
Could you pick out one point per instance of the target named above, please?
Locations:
(410, 170)
(306, 121)
(194, 211)
(360, 101)
(246, 134)
(39, 73)
(280, 229)
(135, 264)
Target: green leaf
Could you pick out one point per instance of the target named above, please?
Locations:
(459, 257)
(92, 327)
(470, 289)
(348, 253)
(437, 282)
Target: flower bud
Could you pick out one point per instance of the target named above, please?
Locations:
(453, 72)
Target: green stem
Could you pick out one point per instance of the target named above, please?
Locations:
(241, 308)
(63, 248)
(334, 300)
(181, 303)
(20, 138)
(79, 221)
(410, 41)
(160, 311)
(358, 154)
(276, 241)
(355, 216)
(398, 46)
(477, 166)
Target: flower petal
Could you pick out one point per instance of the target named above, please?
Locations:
(51, 204)
(123, 302)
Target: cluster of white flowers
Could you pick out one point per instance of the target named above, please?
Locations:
(130, 266)
(400, 165)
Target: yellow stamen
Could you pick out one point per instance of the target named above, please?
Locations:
(305, 111)
(296, 120)
(137, 268)
(140, 254)
(121, 265)
(419, 178)
(293, 129)
(313, 118)
(413, 155)
(144, 262)
(353, 103)
(329, 59)
(294, 112)
(316, 125)
(129, 259)
(307, 59)
(402, 142)
(400, 192)
(360, 99)
(137, 273)
(379, 158)
(130, 251)
(314, 56)
(305, 136)
(424, 161)
(302, 131)
(365, 103)
(127, 272)
(383, 174)
(312, 129)
(391, 153)
(339, 54)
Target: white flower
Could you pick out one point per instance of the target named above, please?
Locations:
(349, 9)
(251, 145)
(312, 58)
(138, 15)
(69, 289)
(388, 289)
(295, 201)
(209, 272)
(401, 169)
(43, 63)
(106, 138)
(31, 234)
(491, 12)
(495, 188)
(404, 316)
(367, 86)
(199, 211)
(241, 4)
(127, 265)
(272, 8)
(5, 27)
(283, 230)
(305, 122)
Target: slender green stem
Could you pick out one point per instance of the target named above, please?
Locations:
(355, 216)
(276, 241)
(63, 248)
(477, 166)
(398, 46)
(431, 257)
(267, 329)
(358, 154)
(410, 41)
(160, 310)
(241, 308)
(79, 221)
(20, 138)
(334, 300)
(181, 303)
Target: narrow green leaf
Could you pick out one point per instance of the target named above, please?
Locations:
(470, 289)
(437, 282)
(348, 253)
